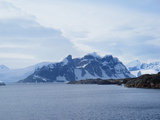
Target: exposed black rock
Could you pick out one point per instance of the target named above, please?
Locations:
(145, 81)
(98, 81)
(88, 81)
(2, 83)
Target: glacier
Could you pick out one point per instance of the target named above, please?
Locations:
(136, 67)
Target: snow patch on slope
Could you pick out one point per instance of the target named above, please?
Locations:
(78, 73)
(65, 62)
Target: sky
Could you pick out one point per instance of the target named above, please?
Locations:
(34, 31)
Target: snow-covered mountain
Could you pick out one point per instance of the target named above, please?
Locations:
(3, 68)
(13, 75)
(137, 68)
(89, 66)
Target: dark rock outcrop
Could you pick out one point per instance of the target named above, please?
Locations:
(145, 81)
(97, 81)
(2, 83)
(88, 81)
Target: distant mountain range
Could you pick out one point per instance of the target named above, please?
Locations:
(13, 75)
(90, 66)
(137, 68)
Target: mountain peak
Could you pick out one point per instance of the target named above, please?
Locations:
(67, 60)
(69, 57)
(94, 54)
(108, 57)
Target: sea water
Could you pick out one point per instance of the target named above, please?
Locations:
(78, 102)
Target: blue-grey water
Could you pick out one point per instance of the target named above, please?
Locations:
(78, 102)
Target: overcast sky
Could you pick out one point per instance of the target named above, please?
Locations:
(33, 31)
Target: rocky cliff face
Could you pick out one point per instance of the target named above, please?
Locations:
(88, 67)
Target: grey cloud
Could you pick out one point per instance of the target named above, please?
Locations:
(135, 46)
(25, 28)
(43, 43)
(123, 28)
(79, 34)
(8, 5)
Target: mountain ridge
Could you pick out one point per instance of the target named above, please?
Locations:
(89, 66)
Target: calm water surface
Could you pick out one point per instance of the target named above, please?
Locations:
(78, 102)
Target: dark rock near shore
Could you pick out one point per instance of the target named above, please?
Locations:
(88, 81)
(145, 81)
(97, 81)
(2, 83)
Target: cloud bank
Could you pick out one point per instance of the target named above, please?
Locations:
(128, 29)
(23, 41)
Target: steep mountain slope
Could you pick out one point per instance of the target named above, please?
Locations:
(137, 68)
(89, 66)
(13, 75)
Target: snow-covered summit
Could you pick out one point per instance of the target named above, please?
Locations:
(94, 54)
(67, 60)
(136, 67)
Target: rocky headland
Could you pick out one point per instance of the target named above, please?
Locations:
(144, 81)
(2, 83)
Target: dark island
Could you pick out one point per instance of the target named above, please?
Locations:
(2, 83)
(97, 81)
(144, 81)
